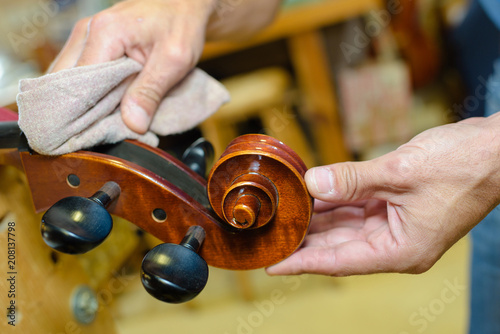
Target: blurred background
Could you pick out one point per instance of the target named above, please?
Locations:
(336, 80)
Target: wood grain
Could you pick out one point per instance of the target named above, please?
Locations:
(144, 191)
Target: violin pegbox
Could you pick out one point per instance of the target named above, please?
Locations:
(252, 212)
(257, 190)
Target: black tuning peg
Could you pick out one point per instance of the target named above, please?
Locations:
(75, 225)
(176, 273)
(198, 156)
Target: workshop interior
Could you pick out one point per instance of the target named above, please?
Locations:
(327, 81)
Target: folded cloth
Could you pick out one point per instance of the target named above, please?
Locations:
(79, 108)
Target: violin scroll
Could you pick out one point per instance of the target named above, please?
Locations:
(252, 179)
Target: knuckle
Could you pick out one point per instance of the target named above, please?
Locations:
(101, 21)
(350, 181)
(402, 167)
(399, 167)
(180, 55)
(149, 93)
(81, 26)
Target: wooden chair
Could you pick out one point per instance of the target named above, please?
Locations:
(265, 95)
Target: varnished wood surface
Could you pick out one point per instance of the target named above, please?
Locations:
(144, 191)
(10, 156)
(270, 159)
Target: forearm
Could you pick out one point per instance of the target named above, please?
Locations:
(236, 19)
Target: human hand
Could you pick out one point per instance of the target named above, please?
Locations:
(402, 211)
(166, 36)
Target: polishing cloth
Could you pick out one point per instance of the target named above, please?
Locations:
(79, 108)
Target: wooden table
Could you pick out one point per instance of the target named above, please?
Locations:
(301, 26)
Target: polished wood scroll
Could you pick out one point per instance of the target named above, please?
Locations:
(255, 213)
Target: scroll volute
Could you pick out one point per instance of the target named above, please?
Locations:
(258, 182)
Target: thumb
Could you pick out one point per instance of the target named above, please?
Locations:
(349, 182)
(160, 73)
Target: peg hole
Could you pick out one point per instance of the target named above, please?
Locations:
(54, 257)
(73, 180)
(159, 215)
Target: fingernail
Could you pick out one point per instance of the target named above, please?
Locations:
(323, 180)
(137, 117)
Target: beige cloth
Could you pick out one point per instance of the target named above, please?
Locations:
(78, 108)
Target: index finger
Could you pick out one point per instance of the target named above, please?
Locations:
(103, 42)
(322, 206)
(354, 257)
(73, 47)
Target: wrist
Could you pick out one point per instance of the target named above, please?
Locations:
(493, 142)
(237, 20)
